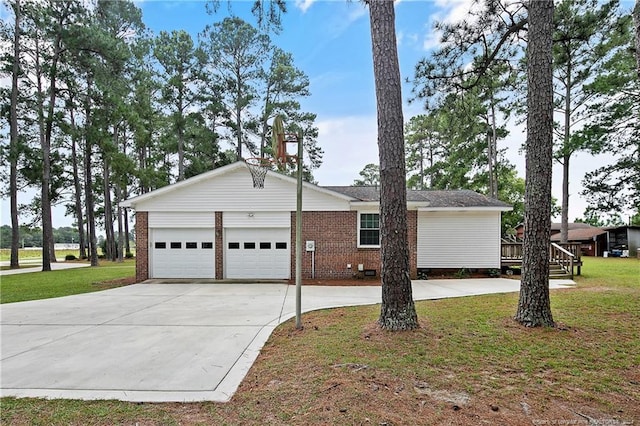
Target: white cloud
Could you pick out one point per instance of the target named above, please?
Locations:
(447, 12)
(304, 5)
(349, 143)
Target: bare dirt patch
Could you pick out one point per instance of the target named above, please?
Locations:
(120, 282)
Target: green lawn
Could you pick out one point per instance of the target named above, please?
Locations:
(470, 363)
(44, 285)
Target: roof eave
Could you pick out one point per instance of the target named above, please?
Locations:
(467, 208)
(415, 205)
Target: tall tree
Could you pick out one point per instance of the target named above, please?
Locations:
(586, 34)
(182, 63)
(615, 187)
(398, 309)
(370, 176)
(13, 144)
(423, 147)
(636, 20)
(203, 152)
(53, 23)
(237, 52)
(534, 306)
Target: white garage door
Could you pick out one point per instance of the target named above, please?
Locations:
(183, 253)
(257, 253)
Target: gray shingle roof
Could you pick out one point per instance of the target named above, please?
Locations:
(580, 234)
(431, 198)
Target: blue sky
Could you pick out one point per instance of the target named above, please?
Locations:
(330, 41)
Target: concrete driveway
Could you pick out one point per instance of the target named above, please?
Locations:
(168, 342)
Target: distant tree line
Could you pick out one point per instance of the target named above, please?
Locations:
(100, 109)
(32, 237)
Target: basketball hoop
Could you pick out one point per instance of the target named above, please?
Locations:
(258, 167)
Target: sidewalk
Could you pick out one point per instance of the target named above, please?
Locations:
(38, 268)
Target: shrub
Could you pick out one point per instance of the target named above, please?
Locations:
(462, 273)
(129, 255)
(494, 273)
(70, 257)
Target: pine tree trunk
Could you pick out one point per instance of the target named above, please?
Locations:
(88, 177)
(398, 309)
(534, 308)
(13, 150)
(238, 117)
(108, 212)
(564, 220)
(77, 187)
(564, 213)
(180, 132)
(493, 152)
(636, 21)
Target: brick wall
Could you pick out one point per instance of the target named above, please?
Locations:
(142, 246)
(335, 235)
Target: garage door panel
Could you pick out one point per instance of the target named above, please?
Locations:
(183, 253)
(257, 253)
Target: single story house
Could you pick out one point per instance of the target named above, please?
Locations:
(592, 240)
(218, 226)
(555, 228)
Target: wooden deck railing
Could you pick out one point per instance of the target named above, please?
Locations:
(562, 257)
(567, 255)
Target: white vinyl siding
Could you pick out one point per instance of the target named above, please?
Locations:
(181, 220)
(459, 239)
(255, 219)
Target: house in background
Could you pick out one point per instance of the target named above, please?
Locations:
(555, 228)
(592, 240)
(218, 226)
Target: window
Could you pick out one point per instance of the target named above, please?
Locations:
(265, 246)
(161, 245)
(249, 246)
(281, 246)
(207, 245)
(191, 245)
(369, 230)
(234, 246)
(176, 245)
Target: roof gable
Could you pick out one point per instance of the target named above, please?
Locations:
(234, 182)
